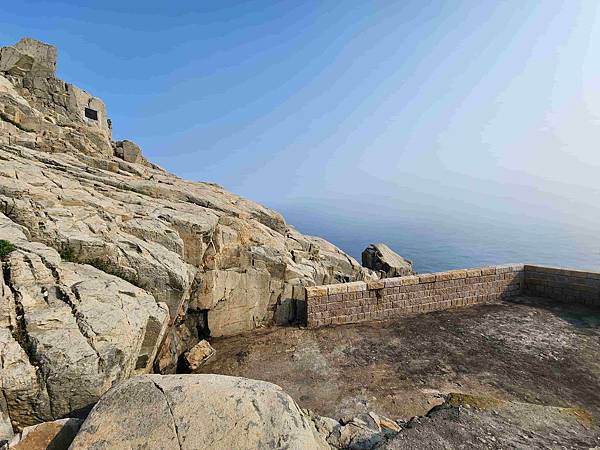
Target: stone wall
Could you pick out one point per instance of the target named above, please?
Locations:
(573, 286)
(390, 297)
(382, 299)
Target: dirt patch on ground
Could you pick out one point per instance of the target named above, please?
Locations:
(529, 350)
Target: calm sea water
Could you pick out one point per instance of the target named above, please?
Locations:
(437, 243)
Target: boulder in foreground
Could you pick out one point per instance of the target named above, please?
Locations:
(197, 412)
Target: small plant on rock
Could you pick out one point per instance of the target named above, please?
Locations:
(108, 267)
(5, 248)
(68, 254)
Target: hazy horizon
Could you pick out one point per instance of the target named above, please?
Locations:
(360, 121)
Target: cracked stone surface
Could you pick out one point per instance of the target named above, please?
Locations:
(198, 411)
(69, 332)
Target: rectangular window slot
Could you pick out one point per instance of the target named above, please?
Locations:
(91, 113)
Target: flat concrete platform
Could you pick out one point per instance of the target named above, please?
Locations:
(530, 350)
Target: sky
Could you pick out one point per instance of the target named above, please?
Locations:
(355, 111)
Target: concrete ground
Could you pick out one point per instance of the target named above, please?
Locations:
(529, 350)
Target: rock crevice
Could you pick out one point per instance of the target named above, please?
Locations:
(171, 413)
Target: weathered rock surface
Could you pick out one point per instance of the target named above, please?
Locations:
(70, 199)
(37, 110)
(470, 422)
(68, 331)
(197, 412)
(192, 245)
(199, 354)
(55, 435)
(215, 411)
(363, 432)
(28, 56)
(128, 151)
(382, 259)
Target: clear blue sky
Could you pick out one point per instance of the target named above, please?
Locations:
(354, 107)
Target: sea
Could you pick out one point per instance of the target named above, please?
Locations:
(438, 242)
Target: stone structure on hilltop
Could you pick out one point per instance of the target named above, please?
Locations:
(42, 112)
(121, 267)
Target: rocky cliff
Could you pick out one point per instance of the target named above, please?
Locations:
(120, 266)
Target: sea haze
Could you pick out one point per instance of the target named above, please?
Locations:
(460, 133)
(437, 241)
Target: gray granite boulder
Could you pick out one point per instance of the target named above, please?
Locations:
(128, 151)
(382, 259)
(197, 412)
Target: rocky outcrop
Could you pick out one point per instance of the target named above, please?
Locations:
(37, 110)
(28, 56)
(115, 254)
(128, 151)
(192, 245)
(68, 332)
(382, 259)
(217, 412)
(197, 411)
(474, 422)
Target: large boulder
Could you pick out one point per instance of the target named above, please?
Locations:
(197, 412)
(128, 151)
(382, 259)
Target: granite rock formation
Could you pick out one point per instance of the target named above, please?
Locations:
(218, 412)
(197, 411)
(68, 332)
(110, 245)
(382, 259)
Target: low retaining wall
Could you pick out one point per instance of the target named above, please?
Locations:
(572, 286)
(382, 299)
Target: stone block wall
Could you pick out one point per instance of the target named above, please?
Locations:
(570, 286)
(390, 297)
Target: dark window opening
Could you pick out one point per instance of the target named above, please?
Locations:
(91, 113)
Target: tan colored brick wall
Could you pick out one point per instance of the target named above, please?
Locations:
(569, 286)
(382, 299)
